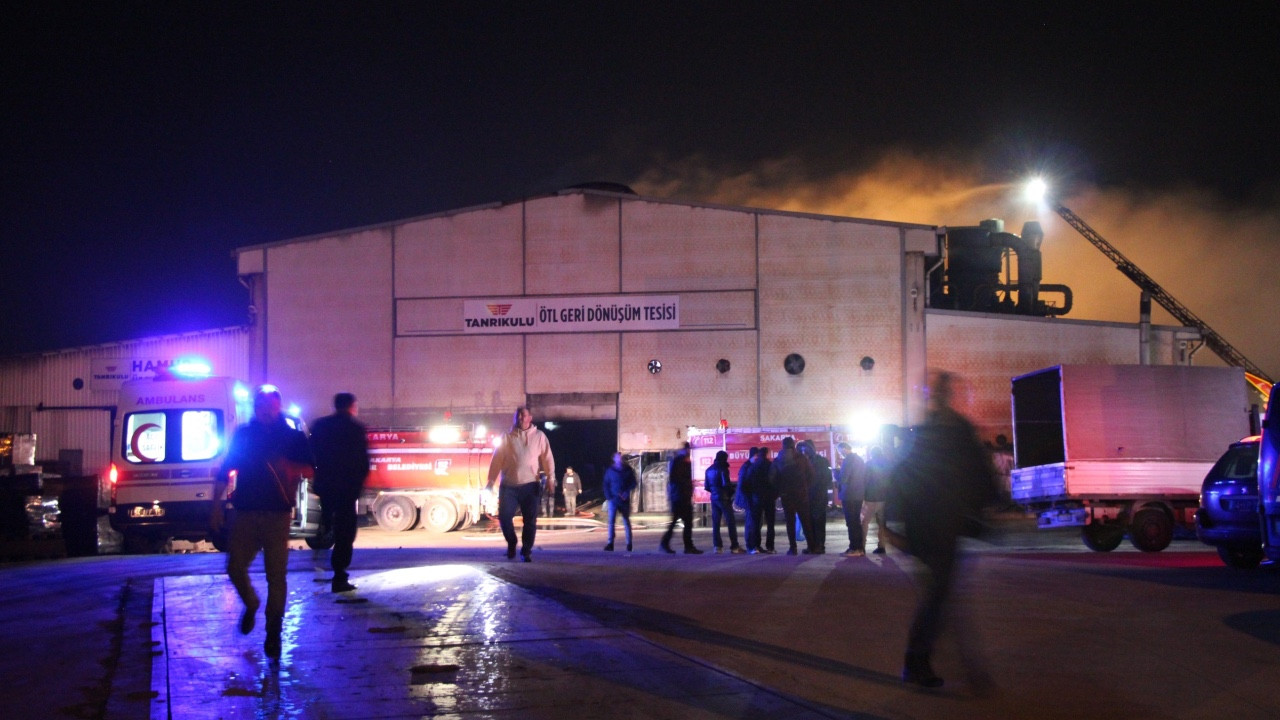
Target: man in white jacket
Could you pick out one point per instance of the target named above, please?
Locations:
(525, 463)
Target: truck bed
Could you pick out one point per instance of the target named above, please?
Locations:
(1107, 479)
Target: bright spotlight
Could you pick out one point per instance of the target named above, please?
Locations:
(1037, 190)
(444, 434)
(864, 427)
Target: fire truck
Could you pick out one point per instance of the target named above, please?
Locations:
(169, 438)
(434, 479)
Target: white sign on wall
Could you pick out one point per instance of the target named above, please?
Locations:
(111, 373)
(572, 314)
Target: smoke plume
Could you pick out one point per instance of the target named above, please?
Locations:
(1218, 259)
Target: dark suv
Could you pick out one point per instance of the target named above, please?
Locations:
(1228, 514)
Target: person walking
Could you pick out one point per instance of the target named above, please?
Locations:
(877, 490)
(938, 492)
(341, 448)
(268, 458)
(852, 488)
(819, 489)
(523, 460)
(570, 486)
(619, 482)
(722, 490)
(790, 473)
(680, 496)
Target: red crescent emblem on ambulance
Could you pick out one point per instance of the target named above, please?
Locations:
(133, 441)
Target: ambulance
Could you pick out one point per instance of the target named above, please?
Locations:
(169, 438)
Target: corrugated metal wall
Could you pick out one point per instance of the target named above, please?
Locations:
(39, 393)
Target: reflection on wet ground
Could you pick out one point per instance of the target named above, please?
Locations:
(440, 641)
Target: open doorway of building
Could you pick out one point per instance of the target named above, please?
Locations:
(587, 446)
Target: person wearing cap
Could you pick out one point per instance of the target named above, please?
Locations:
(268, 457)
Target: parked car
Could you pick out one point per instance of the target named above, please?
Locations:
(1228, 514)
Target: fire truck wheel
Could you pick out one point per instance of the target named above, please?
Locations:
(221, 540)
(396, 514)
(1102, 538)
(1151, 530)
(439, 515)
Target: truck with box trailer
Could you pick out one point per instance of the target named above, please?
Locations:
(1122, 449)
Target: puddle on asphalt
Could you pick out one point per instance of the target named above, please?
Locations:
(426, 674)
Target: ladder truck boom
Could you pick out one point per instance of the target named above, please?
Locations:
(1180, 312)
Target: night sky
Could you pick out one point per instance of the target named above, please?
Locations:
(142, 142)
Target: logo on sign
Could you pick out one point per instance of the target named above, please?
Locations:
(498, 309)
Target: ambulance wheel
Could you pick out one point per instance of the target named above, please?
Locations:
(1151, 530)
(1102, 538)
(320, 541)
(396, 514)
(139, 542)
(439, 515)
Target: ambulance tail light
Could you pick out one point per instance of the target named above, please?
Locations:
(113, 476)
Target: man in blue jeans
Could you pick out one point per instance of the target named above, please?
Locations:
(524, 461)
(619, 482)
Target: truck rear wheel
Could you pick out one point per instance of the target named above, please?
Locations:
(1151, 530)
(439, 515)
(396, 514)
(1100, 537)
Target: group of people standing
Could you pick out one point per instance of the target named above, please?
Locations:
(801, 478)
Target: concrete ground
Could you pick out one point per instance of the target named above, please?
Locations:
(445, 626)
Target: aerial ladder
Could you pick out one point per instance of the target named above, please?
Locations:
(1218, 344)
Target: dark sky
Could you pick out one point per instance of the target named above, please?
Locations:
(143, 141)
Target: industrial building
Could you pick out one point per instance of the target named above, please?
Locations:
(597, 304)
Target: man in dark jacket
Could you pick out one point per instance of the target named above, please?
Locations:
(819, 487)
(619, 482)
(680, 496)
(790, 474)
(722, 490)
(767, 502)
(753, 489)
(938, 492)
(852, 486)
(341, 447)
(268, 458)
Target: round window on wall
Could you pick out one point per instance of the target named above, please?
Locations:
(793, 364)
(655, 367)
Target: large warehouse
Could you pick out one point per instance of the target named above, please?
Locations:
(597, 304)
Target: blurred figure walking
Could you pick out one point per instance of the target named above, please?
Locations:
(680, 495)
(938, 492)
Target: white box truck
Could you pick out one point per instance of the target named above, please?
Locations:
(1122, 449)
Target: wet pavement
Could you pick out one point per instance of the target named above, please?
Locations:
(442, 641)
(445, 626)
